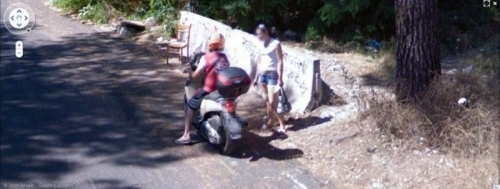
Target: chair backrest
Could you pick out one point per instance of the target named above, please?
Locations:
(183, 31)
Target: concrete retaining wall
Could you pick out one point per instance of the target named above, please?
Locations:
(301, 71)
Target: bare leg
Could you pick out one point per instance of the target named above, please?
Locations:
(268, 105)
(269, 114)
(187, 125)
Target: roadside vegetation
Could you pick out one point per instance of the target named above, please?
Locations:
(163, 13)
(438, 120)
(459, 111)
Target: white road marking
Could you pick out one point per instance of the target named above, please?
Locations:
(301, 185)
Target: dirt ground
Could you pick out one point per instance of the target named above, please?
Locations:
(340, 149)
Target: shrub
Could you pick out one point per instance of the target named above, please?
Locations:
(314, 31)
(97, 13)
(438, 120)
(72, 6)
(164, 12)
(161, 11)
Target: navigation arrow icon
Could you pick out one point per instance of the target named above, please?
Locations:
(26, 18)
(19, 11)
(19, 24)
(12, 18)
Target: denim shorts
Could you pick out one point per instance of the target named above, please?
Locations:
(268, 78)
(195, 101)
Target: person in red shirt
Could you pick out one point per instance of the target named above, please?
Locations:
(209, 66)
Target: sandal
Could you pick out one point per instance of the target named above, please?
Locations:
(264, 127)
(268, 124)
(183, 142)
(281, 131)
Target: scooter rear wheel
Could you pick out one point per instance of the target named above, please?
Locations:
(228, 145)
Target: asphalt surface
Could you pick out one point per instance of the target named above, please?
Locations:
(83, 109)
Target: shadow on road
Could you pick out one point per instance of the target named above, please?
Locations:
(84, 96)
(91, 97)
(261, 147)
(303, 123)
(111, 184)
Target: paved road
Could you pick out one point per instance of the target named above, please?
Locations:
(87, 110)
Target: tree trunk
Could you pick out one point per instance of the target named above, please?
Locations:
(417, 53)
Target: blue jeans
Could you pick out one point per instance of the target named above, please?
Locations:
(268, 78)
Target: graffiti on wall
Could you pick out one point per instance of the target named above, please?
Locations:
(242, 50)
(296, 71)
(251, 47)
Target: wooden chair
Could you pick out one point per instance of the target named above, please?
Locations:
(181, 42)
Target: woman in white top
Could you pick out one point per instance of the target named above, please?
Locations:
(270, 73)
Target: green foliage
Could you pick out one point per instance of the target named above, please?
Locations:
(164, 12)
(342, 19)
(312, 34)
(96, 13)
(462, 26)
(160, 10)
(94, 10)
(126, 6)
(72, 6)
(314, 30)
(358, 20)
(334, 11)
(237, 10)
(245, 14)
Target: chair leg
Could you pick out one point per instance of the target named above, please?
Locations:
(166, 55)
(180, 55)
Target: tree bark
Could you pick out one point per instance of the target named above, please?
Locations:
(417, 52)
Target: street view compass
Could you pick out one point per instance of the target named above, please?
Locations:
(19, 18)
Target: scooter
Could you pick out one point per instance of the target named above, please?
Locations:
(216, 120)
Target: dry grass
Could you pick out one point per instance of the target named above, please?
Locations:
(457, 149)
(438, 120)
